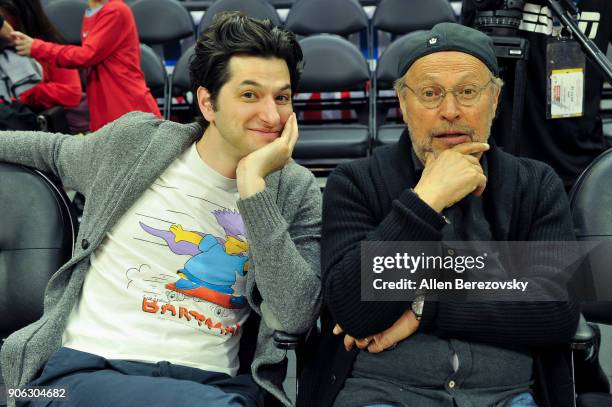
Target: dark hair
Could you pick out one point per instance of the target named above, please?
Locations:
(33, 20)
(234, 33)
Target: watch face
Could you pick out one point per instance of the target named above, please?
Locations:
(417, 306)
(418, 309)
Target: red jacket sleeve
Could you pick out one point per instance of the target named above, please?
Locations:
(104, 37)
(60, 86)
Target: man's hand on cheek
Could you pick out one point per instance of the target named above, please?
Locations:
(452, 175)
(253, 168)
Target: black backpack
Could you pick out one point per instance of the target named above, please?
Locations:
(17, 116)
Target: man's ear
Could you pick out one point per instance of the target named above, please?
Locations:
(402, 104)
(496, 99)
(205, 104)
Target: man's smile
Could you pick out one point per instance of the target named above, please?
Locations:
(264, 132)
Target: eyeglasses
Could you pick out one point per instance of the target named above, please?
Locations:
(431, 96)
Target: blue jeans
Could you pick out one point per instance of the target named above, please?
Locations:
(522, 400)
(93, 381)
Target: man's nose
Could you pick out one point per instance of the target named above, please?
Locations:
(268, 112)
(449, 109)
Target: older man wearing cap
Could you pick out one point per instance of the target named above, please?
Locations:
(440, 182)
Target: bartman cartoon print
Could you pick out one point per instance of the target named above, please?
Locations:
(218, 266)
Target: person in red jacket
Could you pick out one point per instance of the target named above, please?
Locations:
(60, 86)
(110, 54)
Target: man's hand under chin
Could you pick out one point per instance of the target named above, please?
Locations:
(253, 168)
(452, 175)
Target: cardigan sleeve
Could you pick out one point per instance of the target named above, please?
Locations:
(285, 253)
(68, 157)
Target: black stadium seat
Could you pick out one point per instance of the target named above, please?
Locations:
(388, 130)
(333, 65)
(180, 85)
(403, 16)
(67, 16)
(203, 5)
(282, 3)
(254, 8)
(161, 21)
(154, 71)
(590, 204)
(342, 17)
(155, 74)
(37, 236)
(197, 5)
(181, 82)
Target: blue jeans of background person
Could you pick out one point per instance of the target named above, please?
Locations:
(93, 381)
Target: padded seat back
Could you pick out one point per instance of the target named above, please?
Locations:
(342, 17)
(281, 3)
(36, 238)
(591, 206)
(403, 16)
(260, 9)
(389, 129)
(331, 63)
(336, 70)
(161, 21)
(67, 17)
(180, 87)
(181, 81)
(154, 71)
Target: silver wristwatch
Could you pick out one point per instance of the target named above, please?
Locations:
(417, 306)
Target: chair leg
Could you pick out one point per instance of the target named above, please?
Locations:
(572, 366)
(168, 101)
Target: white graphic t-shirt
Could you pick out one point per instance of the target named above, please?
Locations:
(168, 281)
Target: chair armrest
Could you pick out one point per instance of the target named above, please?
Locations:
(584, 336)
(53, 120)
(283, 340)
(597, 311)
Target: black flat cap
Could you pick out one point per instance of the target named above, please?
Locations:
(448, 37)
